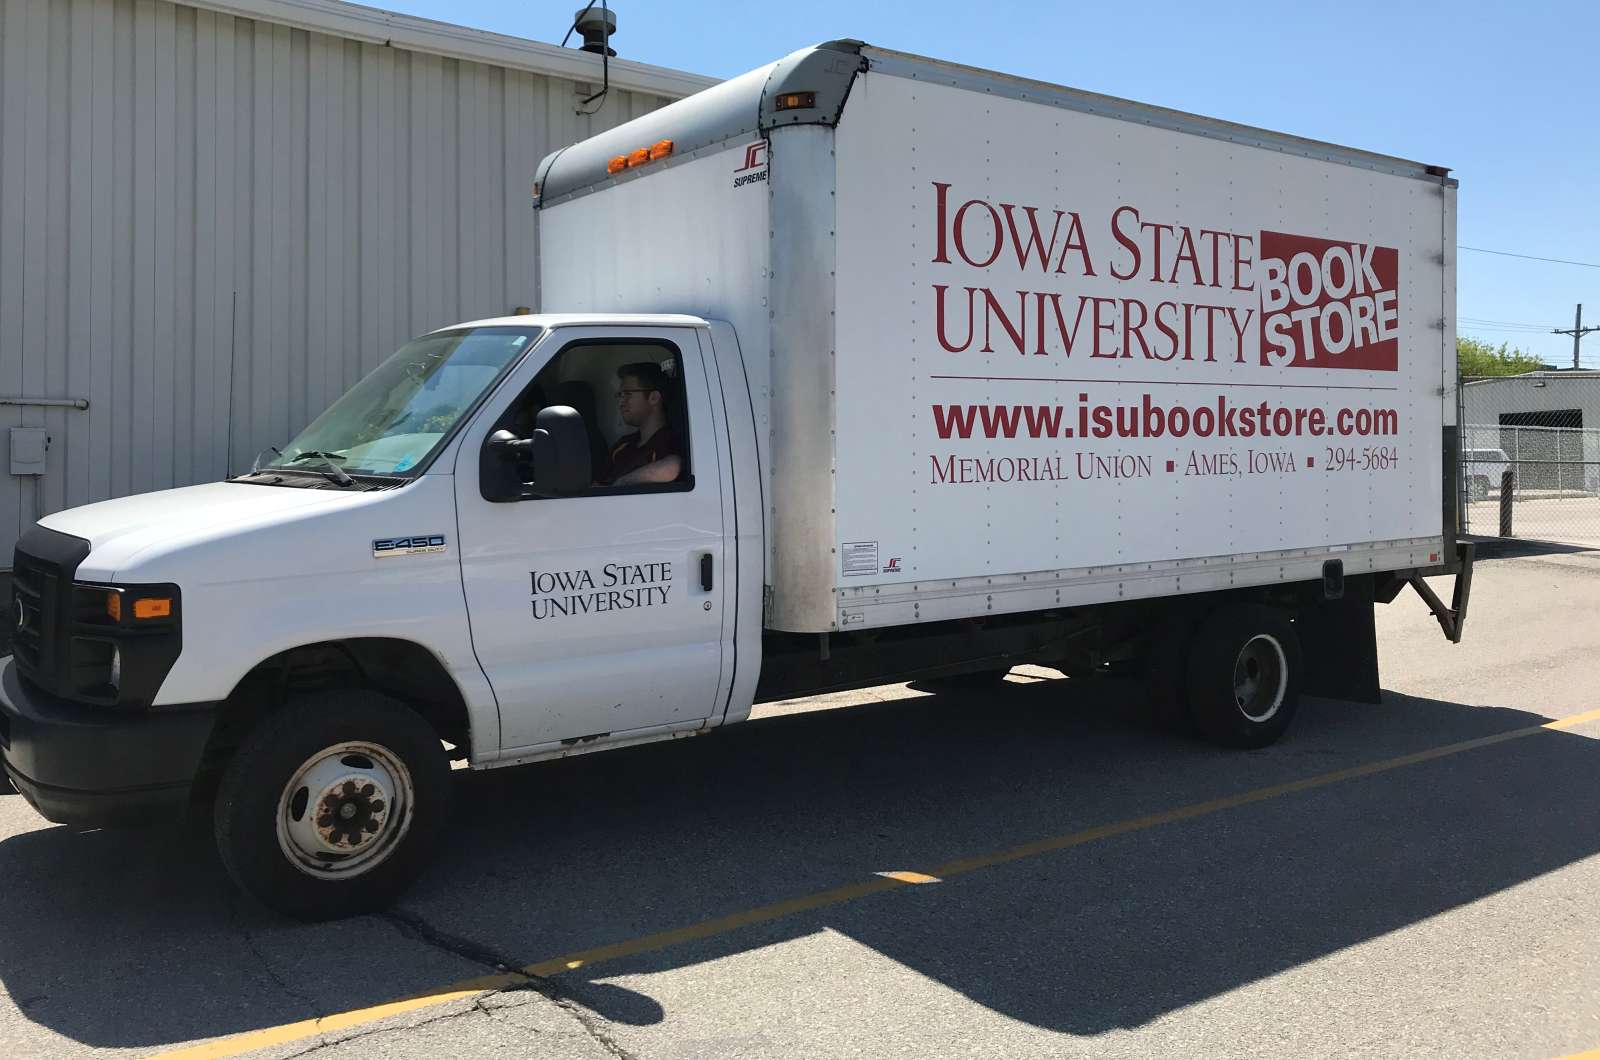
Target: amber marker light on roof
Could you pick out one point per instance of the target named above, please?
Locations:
(797, 100)
(661, 150)
(617, 165)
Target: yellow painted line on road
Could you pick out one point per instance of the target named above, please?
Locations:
(285, 1033)
(1587, 1054)
(881, 882)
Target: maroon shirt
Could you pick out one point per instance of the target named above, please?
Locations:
(629, 455)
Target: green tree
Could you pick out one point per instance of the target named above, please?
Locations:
(1475, 357)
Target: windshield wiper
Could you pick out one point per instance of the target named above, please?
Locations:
(334, 472)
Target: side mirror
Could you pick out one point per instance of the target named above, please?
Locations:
(499, 476)
(558, 450)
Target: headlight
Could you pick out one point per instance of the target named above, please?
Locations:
(121, 642)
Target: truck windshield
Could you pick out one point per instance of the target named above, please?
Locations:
(393, 419)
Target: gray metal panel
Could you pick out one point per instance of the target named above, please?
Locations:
(200, 211)
(734, 108)
(730, 109)
(13, 85)
(921, 68)
(803, 376)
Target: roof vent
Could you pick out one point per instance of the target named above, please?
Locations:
(597, 23)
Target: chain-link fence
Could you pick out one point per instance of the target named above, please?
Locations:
(1530, 456)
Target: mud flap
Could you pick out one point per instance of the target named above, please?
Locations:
(1339, 644)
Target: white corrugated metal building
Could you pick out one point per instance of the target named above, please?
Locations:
(215, 215)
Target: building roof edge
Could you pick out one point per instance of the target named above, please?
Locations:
(376, 26)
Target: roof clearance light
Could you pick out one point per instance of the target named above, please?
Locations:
(639, 157)
(662, 149)
(617, 165)
(797, 100)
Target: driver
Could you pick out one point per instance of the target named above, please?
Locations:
(652, 452)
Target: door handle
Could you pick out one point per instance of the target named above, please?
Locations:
(705, 572)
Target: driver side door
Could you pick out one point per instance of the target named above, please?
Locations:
(601, 613)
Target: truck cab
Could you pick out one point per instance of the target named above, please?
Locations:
(446, 538)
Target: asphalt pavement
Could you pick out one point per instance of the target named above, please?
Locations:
(1024, 872)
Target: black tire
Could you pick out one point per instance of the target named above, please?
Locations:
(1243, 677)
(259, 849)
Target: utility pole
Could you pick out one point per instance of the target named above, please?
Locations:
(1577, 332)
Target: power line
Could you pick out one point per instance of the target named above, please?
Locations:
(1530, 257)
(1506, 323)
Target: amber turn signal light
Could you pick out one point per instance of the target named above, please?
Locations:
(152, 607)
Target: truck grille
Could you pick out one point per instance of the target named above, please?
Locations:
(30, 582)
(43, 567)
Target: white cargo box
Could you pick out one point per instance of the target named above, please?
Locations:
(1018, 347)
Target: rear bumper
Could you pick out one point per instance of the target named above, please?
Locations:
(93, 766)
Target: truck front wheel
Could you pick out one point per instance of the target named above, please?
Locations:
(1243, 679)
(333, 804)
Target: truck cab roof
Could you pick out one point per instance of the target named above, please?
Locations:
(616, 320)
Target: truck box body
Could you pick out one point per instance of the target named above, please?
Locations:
(1015, 347)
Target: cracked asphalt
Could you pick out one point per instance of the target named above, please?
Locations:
(1439, 906)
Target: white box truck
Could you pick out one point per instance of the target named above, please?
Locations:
(867, 368)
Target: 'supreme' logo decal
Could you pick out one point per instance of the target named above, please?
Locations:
(754, 170)
(1329, 304)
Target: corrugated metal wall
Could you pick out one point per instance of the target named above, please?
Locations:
(211, 226)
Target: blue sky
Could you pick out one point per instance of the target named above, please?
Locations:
(1506, 95)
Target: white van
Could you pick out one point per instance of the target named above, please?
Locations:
(1485, 469)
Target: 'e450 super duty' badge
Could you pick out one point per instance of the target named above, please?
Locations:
(407, 546)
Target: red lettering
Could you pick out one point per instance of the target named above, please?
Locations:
(940, 193)
(992, 310)
(1076, 241)
(939, 290)
(1186, 253)
(1024, 248)
(961, 243)
(1127, 241)
(956, 418)
(999, 421)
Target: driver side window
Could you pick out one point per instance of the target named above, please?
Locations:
(630, 397)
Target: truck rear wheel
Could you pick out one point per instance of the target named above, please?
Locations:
(333, 804)
(1243, 678)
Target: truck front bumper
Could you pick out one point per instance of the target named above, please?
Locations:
(93, 766)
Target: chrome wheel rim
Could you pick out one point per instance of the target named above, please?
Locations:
(345, 810)
(1260, 678)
